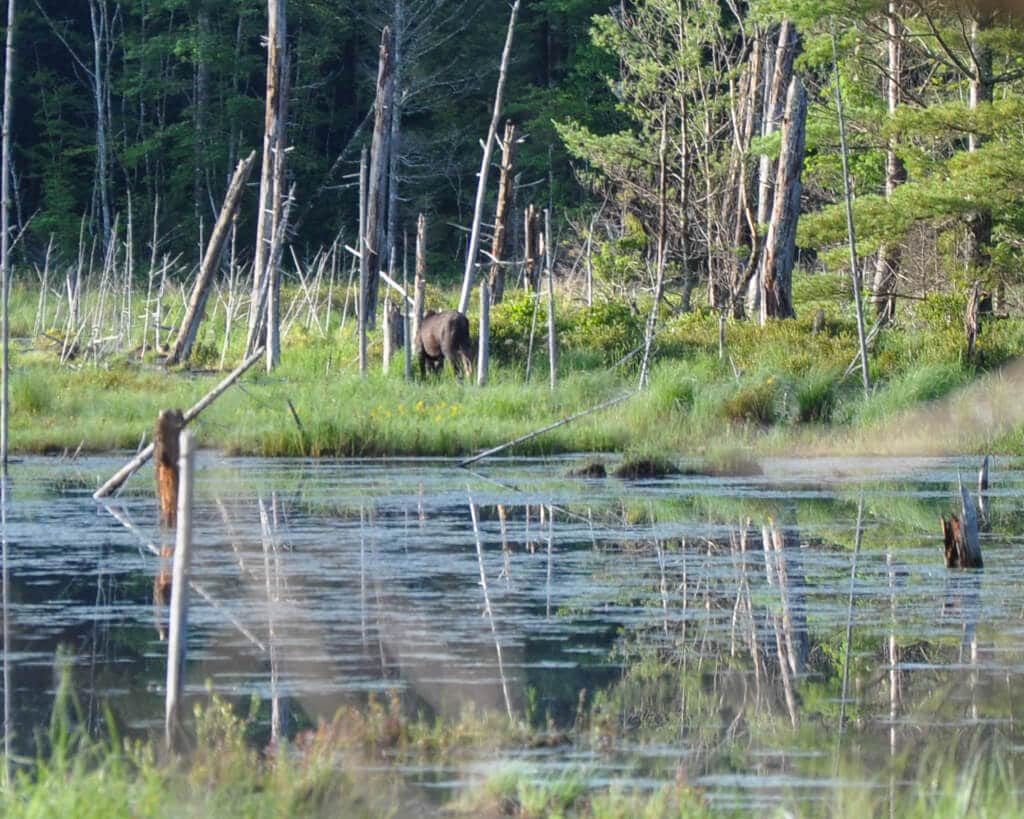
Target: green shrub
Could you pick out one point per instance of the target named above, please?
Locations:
(610, 327)
(815, 397)
(754, 403)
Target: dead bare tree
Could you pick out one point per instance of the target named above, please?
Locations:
(485, 165)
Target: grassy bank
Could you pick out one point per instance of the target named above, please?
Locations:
(778, 389)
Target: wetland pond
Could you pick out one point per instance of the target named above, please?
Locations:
(741, 634)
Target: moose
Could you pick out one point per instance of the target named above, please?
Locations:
(444, 337)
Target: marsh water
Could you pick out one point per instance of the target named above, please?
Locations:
(781, 635)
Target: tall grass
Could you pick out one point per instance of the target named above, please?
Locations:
(776, 387)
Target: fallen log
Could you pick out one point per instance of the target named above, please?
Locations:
(530, 435)
(133, 465)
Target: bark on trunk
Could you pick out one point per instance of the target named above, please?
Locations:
(501, 213)
(377, 190)
(780, 65)
(883, 290)
(273, 143)
(780, 243)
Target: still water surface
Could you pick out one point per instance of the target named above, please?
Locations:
(712, 658)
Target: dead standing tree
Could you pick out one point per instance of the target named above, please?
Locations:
(502, 210)
(485, 165)
(271, 172)
(780, 243)
(375, 228)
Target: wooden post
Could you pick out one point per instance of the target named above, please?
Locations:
(484, 343)
(5, 238)
(364, 262)
(501, 213)
(169, 424)
(420, 287)
(485, 166)
(214, 250)
(178, 625)
(552, 340)
(406, 325)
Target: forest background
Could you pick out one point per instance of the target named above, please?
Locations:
(650, 131)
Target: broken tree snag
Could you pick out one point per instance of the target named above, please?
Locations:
(951, 538)
(130, 468)
(780, 243)
(971, 556)
(169, 425)
(501, 212)
(958, 550)
(214, 250)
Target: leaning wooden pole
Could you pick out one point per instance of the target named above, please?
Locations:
(484, 342)
(848, 195)
(211, 260)
(531, 435)
(178, 626)
(5, 238)
(133, 465)
(485, 166)
(375, 226)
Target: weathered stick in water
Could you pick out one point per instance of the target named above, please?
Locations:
(133, 465)
(530, 435)
(178, 626)
(983, 521)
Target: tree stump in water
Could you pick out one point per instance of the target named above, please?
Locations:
(959, 552)
(165, 454)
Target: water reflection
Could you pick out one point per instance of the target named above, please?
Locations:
(748, 634)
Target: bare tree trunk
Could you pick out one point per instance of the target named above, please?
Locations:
(100, 22)
(485, 166)
(781, 67)
(190, 324)
(364, 261)
(375, 236)
(395, 125)
(5, 241)
(272, 144)
(848, 196)
(780, 243)
(883, 296)
(484, 341)
(552, 338)
(420, 287)
(501, 212)
(979, 222)
(659, 282)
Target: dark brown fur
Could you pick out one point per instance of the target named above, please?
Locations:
(445, 337)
